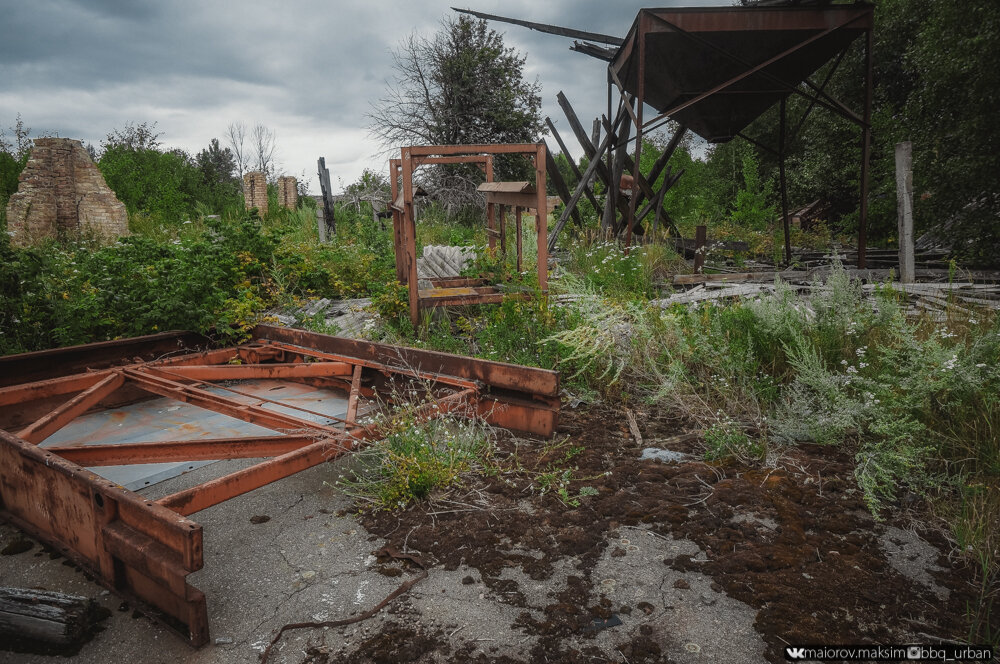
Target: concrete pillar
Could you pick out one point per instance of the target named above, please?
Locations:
(904, 210)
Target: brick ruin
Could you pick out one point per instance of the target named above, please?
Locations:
(255, 191)
(62, 191)
(288, 192)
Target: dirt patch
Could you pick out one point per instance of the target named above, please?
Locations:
(394, 644)
(796, 543)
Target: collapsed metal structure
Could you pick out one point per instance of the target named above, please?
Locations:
(713, 70)
(521, 196)
(143, 549)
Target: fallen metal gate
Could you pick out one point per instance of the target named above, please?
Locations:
(144, 549)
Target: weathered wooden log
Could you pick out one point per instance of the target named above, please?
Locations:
(45, 617)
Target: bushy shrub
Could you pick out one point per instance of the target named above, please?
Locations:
(416, 457)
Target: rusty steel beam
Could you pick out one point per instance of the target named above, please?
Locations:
(53, 387)
(269, 371)
(46, 364)
(448, 150)
(219, 490)
(205, 449)
(214, 402)
(464, 371)
(457, 159)
(66, 413)
(403, 370)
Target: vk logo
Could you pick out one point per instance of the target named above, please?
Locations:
(795, 653)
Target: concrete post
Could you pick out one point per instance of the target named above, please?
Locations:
(904, 207)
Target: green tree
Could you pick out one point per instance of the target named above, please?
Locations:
(220, 188)
(461, 86)
(145, 178)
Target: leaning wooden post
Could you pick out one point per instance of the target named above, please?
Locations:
(700, 240)
(329, 221)
(904, 207)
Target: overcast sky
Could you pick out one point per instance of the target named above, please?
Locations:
(308, 69)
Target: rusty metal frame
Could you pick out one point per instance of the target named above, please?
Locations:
(404, 220)
(816, 24)
(144, 549)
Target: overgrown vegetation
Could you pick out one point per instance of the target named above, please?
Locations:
(417, 456)
(914, 399)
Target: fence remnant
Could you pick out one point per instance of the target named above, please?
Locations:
(700, 248)
(327, 223)
(61, 190)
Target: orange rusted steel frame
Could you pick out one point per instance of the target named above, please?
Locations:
(510, 396)
(181, 450)
(219, 490)
(404, 220)
(144, 550)
(66, 413)
(252, 413)
(171, 374)
(406, 371)
(274, 371)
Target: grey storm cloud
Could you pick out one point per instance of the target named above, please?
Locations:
(309, 69)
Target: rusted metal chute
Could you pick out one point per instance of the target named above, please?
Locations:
(714, 70)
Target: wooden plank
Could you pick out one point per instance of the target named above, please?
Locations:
(528, 201)
(572, 164)
(507, 187)
(904, 205)
(581, 185)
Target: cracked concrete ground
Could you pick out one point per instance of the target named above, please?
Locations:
(305, 563)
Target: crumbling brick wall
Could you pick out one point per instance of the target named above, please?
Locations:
(288, 192)
(62, 191)
(255, 191)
